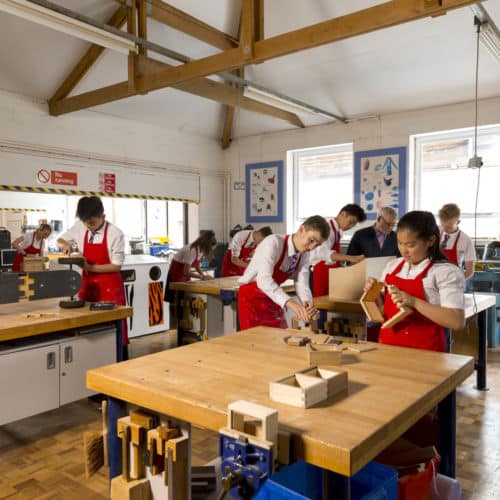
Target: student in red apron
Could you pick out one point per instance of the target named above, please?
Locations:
(425, 281)
(241, 249)
(261, 300)
(30, 244)
(328, 254)
(102, 245)
(455, 244)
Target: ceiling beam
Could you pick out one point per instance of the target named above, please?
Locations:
(117, 20)
(357, 23)
(181, 21)
(203, 87)
(227, 127)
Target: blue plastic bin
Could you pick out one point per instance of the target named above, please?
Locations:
(303, 481)
(156, 249)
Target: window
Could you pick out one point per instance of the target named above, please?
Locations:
(322, 181)
(442, 176)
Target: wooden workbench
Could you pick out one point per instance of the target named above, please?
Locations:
(14, 324)
(389, 389)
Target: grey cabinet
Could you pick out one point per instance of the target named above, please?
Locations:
(38, 377)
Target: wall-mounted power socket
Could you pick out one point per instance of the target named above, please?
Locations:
(239, 186)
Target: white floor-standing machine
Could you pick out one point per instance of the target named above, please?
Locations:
(145, 278)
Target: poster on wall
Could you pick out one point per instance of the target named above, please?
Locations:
(380, 180)
(264, 192)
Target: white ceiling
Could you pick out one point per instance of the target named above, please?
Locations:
(413, 65)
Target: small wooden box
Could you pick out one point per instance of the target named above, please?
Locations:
(33, 263)
(324, 354)
(308, 387)
(368, 302)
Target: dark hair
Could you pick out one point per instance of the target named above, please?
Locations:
(88, 207)
(206, 242)
(424, 225)
(318, 223)
(355, 210)
(265, 231)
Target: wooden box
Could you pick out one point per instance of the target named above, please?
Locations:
(324, 354)
(33, 263)
(308, 387)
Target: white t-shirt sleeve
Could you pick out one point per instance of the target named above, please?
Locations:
(302, 288)
(116, 245)
(469, 253)
(237, 243)
(449, 281)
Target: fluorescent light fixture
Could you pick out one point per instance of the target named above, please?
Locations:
(51, 19)
(284, 103)
(489, 36)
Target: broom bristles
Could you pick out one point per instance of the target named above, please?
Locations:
(93, 450)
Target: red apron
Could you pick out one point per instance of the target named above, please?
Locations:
(415, 330)
(320, 274)
(31, 250)
(452, 253)
(98, 287)
(230, 269)
(255, 308)
(176, 271)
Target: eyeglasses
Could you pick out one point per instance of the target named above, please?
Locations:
(390, 224)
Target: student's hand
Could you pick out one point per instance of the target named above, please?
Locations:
(354, 259)
(299, 309)
(400, 298)
(312, 312)
(65, 248)
(205, 277)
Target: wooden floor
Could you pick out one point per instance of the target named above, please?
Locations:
(41, 456)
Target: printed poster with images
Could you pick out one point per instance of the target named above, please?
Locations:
(264, 192)
(380, 176)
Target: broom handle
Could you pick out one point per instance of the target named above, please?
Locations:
(105, 429)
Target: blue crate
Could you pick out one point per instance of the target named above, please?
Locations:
(156, 249)
(303, 481)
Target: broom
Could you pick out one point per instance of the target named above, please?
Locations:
(95, 445)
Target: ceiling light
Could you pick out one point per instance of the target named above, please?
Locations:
(284, 103)
(51, 19)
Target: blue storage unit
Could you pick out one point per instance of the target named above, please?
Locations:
(303, 481)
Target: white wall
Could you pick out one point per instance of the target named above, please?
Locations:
(26, 122)
(385, 131)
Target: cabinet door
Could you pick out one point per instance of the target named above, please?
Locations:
(79, 355)
(29, 382)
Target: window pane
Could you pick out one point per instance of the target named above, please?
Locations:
(176, 223)
(157, 218)
(324, 181)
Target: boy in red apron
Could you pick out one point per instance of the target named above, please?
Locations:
(261, 300)
(241, 249)
(30, 244)
(328, 254)
(424, 280)
(455, 244)
(102, 245)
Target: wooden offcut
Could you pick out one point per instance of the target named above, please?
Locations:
(139, 489)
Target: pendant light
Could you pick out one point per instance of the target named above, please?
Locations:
(476, 161)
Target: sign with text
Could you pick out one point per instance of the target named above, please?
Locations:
(107, 182)
(61, 177)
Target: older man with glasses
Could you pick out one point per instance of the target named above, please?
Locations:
(378, 240)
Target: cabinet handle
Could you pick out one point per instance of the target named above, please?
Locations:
(51, 360)
(68, 354)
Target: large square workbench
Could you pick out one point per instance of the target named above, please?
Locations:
(389, 389)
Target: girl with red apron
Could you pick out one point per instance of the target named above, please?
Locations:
(320, 274)
(415, 330)
(176, 272)
(230, 269)
(98, 287)
(255, 308)
(30, 250)
(452, 253)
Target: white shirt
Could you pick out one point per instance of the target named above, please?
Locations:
(324, 251)
(444, 284)
(28, 240)
(262, 265)
(465, 247)
(116, 239)
(186, 255)
(238, 242)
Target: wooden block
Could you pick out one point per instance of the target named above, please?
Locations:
(323, 354)
(361, 346)
(284, 447)
(403, 312)
(299, 390)
(368, 302)
(133, 490)
(267, 431)
(336, 379)
(147, 420)
(296, 340)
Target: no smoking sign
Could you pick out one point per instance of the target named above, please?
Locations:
(43, 176)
